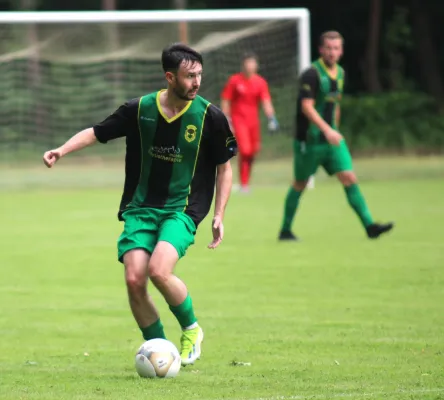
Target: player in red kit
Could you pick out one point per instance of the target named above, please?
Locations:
(240, 101)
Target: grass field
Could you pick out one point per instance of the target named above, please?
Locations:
(333, 317)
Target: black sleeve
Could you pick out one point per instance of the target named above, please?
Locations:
(119, 123)
(309, 84)
(223, 145)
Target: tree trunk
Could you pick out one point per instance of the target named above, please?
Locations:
(113, 42)
(426, 51)
(35, 73)
(112, 30)
(33, 41)
(183, 25)
(371, 66)
(109, 5)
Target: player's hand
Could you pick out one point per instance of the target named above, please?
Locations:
(273, 124)
(51, 157)
(218, 232)
(333, 137)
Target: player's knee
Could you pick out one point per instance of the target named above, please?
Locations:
(246, 154)
(135, 280)
(299, 186)
(136, 262)
(348, 178)
(157, 274)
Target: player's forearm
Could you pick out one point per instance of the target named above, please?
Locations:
(338, 116)
(314, 117)
(79, 141)
(225, 107)
(224, 180)
(268, 108)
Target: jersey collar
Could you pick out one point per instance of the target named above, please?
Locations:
(327, 71)
(174, 117)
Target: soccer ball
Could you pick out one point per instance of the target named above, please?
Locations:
(158, 358)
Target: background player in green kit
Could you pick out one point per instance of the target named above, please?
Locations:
(178, 147)
(317, 140)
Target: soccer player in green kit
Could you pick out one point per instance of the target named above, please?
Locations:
(318, 141)
(178, 148)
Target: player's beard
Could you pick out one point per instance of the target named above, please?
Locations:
(329, 63)
(185, 94)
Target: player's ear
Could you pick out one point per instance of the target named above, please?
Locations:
(169, 76)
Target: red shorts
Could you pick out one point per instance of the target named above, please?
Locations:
(247, 135)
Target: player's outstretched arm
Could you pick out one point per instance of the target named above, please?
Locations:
(77, 142)
(224, 180)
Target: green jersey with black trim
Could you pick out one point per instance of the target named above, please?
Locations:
(326, 90)
(170, 162)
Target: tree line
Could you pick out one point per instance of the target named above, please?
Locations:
(389, 45)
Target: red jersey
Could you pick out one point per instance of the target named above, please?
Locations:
(245, 94)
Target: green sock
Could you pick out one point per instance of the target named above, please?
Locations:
(291, 205)
(184, 313)
(357, 202)
(153, 331)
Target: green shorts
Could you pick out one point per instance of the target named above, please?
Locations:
(145, 227)
(308, 157)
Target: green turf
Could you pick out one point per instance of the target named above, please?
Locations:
(335, 316)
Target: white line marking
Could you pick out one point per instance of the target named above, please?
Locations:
(340, 395)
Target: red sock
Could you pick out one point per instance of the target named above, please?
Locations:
(245, 170)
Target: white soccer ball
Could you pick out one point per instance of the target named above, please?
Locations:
(158, 358)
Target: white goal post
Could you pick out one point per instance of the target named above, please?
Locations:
(48, 59)
(301, 16)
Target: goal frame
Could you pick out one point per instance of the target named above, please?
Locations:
(301, 16)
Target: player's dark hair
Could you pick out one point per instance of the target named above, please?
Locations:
(249, 54)
(330, 35)
(173, 56)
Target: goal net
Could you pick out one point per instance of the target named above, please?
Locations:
(62, 72)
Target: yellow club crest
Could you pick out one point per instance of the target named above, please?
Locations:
(190, 133)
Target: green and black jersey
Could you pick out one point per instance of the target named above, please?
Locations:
(316, 83)
(170, 162)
